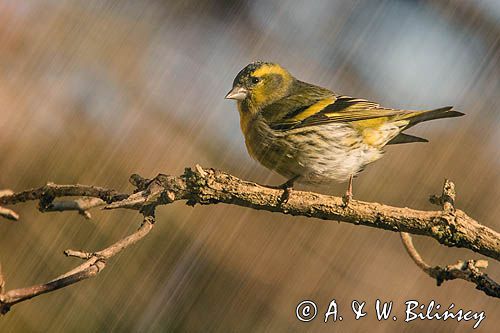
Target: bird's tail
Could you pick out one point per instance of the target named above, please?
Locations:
(416, 117)
(420, 116)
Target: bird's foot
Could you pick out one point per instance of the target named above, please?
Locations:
(287, 189)
(286, 195)
(347, 198)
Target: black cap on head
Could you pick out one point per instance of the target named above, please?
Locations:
(247, 71)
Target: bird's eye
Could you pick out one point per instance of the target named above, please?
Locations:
(255, 80)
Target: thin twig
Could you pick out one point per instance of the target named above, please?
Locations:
(6, 192)
(95, 263)
(51, 191)
(81, 205)
(2, 281)
(465, 270)
(8, 214)
(5, 212)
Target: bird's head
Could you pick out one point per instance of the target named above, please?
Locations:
(260, 84)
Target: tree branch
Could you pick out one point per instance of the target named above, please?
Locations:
(50, 191)
(95, 263)
(466, 270)
(450, 227)
(82, 206)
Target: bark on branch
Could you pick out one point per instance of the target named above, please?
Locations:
(448, 226)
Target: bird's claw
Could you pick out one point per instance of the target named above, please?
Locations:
(286, 195)
(347, 198)
(287, 189)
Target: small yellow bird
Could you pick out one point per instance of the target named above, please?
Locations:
(311, 135)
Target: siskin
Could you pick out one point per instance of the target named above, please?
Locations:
(311, 135)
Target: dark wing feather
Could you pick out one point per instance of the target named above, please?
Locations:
(324, 108)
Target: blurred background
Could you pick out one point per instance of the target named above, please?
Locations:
(93, 91)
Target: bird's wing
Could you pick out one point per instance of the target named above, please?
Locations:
(334, 109)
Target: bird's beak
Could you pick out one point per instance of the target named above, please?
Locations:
(237, 93)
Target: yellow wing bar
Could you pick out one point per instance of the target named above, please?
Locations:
(334, 109)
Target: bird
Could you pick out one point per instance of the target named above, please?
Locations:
(312, 135)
